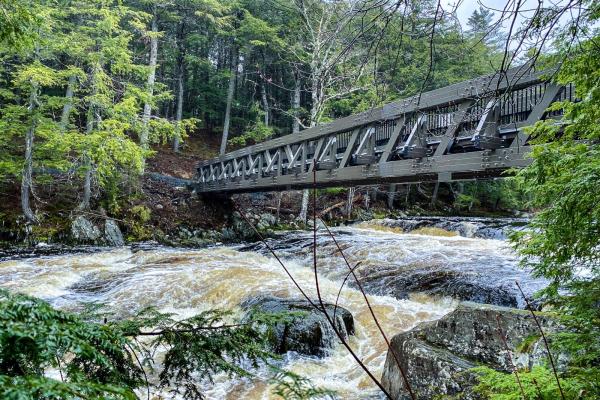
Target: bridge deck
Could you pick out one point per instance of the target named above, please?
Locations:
(470, 130)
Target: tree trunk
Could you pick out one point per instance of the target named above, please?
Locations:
(66, 112)
(279, 197)
(180, 84)
(434, 196)
(350, 201)
(314, 111)
(87, 163)
(303, 215)
(230, 92)
(87, 184)
(304, 207)
(367, 199)
(179, 112)
(296, 102)
(391, 194)
(26, 179)
(265, 102)
(150, 83)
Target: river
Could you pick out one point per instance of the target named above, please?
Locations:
(185, 281)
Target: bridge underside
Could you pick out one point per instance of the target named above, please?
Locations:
(470, 130)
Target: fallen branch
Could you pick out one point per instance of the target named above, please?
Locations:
(331, 208)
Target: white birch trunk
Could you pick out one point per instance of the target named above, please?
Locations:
(230, 92)
(350, 201)
(265, 102)
(314, 111)
(179, 112)
(296, 103)
(391, 194)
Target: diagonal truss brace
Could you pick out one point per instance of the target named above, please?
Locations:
(328, 156)
(486, 135)
(415, 145)
(365, 153)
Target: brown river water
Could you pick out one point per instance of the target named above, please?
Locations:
(186, 281)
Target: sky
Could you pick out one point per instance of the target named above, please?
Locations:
(466, 7)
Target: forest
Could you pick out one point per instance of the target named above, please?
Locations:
(90, 88)
(99, 96)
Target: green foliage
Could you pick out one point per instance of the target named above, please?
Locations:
(104, 360)
(137, 220)
(496, 195)
(92, 358)
(201, 346)
(466, 202)
(39, 387)
(563, 242)
(332, 190)
(256, 133)
(291, 386)
(538, 384)
(16, 22)
(562, 179)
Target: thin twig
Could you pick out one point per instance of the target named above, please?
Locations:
(142, 368)
(381, 331)
(329, 320)
(337, 299)
(332, 322)
(539, 326)
(537, 387)
(59, 368)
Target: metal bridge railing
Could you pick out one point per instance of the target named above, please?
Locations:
(473, 129)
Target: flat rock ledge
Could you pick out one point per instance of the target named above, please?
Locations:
(310, 333)
(437, 356)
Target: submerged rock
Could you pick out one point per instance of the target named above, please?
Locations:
(437, 356)
(310, 332)
(470, 227)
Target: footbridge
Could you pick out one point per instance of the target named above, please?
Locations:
(469, 130)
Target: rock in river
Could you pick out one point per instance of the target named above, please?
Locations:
(84, 231)
(461, 282)
(437, 356)
(112, 233)
(309, 333)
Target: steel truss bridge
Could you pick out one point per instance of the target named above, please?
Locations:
(469, 130)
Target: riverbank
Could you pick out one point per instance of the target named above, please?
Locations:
(170, 214)
(160, 207)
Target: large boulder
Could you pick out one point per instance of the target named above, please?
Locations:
(84, 231)
(112, 233)
(438, 356)
(309, 332)
(464, 282)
